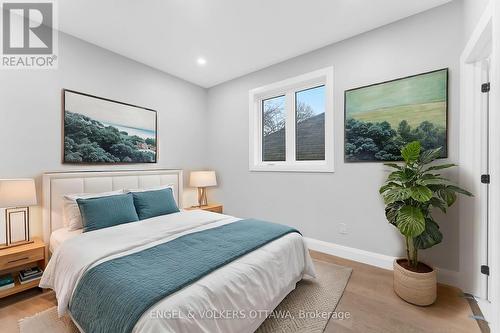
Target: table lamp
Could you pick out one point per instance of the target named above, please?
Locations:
(202, 180)
(16, 195)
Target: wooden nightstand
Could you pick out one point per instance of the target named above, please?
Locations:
(216, 208)
(16, 258)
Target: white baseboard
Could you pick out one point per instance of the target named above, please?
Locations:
(374, 259)
(365, 257)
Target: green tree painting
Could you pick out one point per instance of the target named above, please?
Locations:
(90, 141)
(100, 130)
(380, 119)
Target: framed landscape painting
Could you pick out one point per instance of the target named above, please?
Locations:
(383, 117)
(99, 130)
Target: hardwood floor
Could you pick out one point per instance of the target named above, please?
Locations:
(374, 307)
(368, 298)
(24, 304)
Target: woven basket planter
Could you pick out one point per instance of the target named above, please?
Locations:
(416, 288)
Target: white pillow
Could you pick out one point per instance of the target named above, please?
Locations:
(71, 212)
(154, 188)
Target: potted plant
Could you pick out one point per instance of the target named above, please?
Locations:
(410, 193)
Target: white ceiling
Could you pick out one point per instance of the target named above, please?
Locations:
(235, 37)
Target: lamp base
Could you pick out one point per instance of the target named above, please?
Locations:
(202, 196)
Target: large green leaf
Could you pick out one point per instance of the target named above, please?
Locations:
(398, 176)
(440, 167)
(393, 165)
(438, 203)
(448, 196)
(430, 155)
(430, 237)
(436, 187)
(434, 180)
(388, 186)
(411, 221)
(430, 176)
(410, 174)
(396, 194)
(403, 176)
(421, 193)
(411, 152)
(459, 190)
(392, 210)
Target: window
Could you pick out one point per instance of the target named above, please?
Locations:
(291, 124)
(310, 124)
(273, 129)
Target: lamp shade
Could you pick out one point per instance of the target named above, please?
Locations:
(17, 193)
(202, 179)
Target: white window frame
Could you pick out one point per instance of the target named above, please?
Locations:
(288, 88)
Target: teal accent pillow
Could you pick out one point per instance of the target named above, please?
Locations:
(104, 212)
(154, 203)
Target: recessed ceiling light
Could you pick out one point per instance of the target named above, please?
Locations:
(201, 61)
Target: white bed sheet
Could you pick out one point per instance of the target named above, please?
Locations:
(60, 236)
(234, 298)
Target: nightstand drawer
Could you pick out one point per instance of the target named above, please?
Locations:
(21, 258)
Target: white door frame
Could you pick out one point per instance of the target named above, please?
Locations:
(494, 318)
(473, 250)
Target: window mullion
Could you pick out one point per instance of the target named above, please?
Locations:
(290, 127)
(258, 130)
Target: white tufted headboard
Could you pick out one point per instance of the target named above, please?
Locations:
(58, 184)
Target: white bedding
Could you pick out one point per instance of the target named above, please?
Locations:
(238, 295)
(60, 236)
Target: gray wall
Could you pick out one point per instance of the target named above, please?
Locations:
(30, 111)
(316, 203)
(473, 9)
(30, 127)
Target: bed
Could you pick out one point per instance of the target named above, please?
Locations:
(235, 297)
